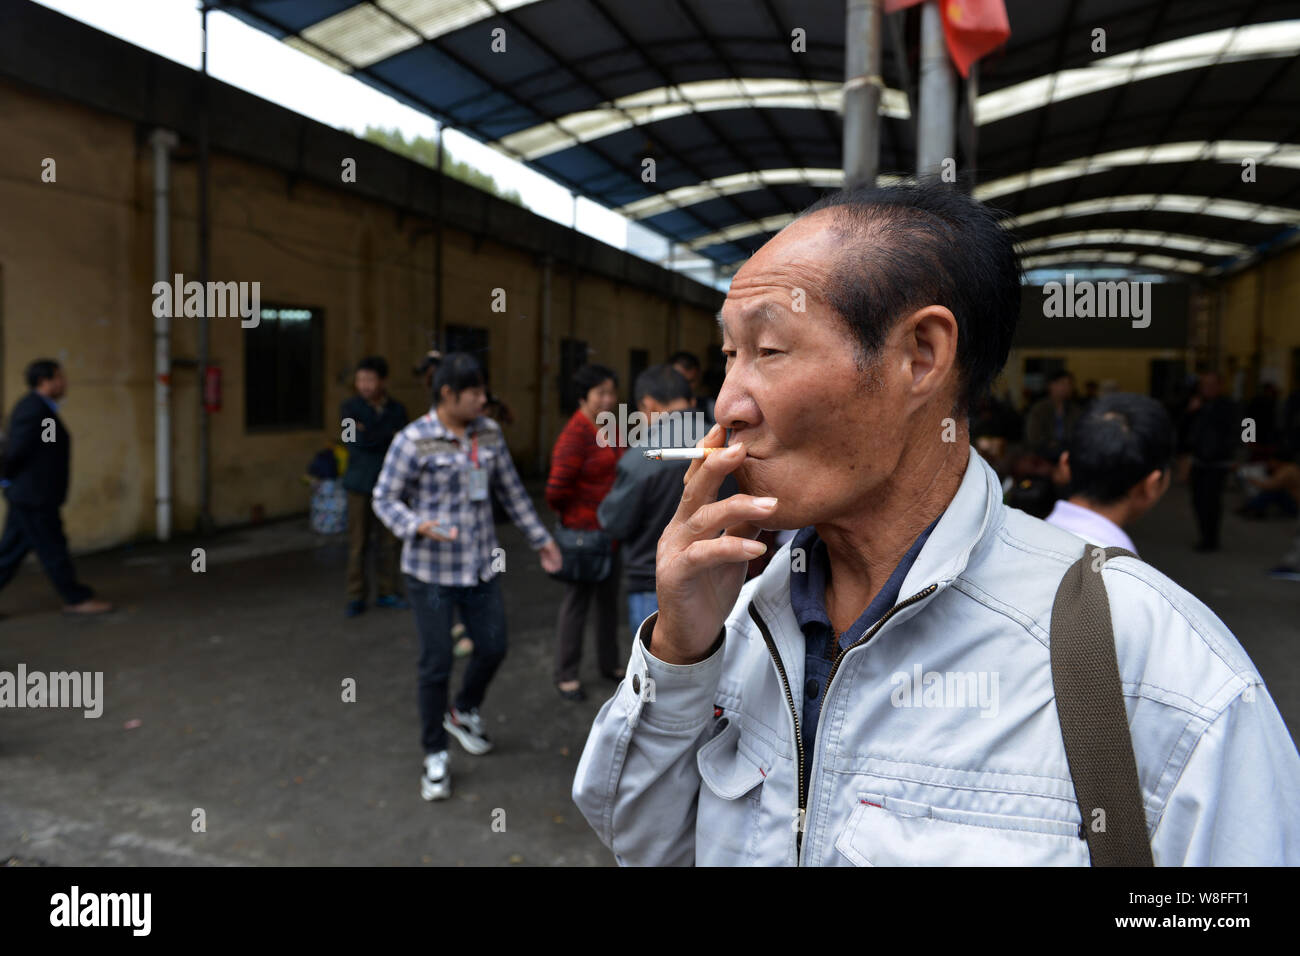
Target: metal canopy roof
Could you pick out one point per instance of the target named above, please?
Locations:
(1096, 156)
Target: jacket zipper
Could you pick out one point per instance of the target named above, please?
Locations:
(794, 713)
(835, 666)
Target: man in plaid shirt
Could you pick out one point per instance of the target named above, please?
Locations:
(434, 494)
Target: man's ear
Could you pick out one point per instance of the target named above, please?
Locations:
(1153, 486)
(931, 347)
(1061, 473)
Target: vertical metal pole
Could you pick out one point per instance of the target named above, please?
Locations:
(162, 141)
(861, 98)
(936, 131)
(205, 479)
(969, 132)
(676, 332)
(573, 275)
(544, 369)
(437, 252)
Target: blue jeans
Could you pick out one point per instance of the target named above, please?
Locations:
(483, 612)
(640, 605)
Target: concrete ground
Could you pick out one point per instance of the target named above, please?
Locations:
(223, 694)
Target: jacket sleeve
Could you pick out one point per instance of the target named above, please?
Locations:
(24, 435)
(620, 512)
(370, 427)
(514, 498)
(637, 782)
(566, 464)
(1237, 801)
(396, 487)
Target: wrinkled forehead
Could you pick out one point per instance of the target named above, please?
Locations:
(752, 313)
(786, 274)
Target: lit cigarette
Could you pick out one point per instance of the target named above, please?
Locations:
(680, 454)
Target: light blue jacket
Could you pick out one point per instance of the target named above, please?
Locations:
(939, 741)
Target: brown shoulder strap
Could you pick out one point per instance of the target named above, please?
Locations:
(1094, 724)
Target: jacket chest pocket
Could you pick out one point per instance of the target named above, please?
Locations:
(727, 818)
(446, 471)
(890, 831)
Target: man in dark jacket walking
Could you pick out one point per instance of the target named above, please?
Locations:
(36, 464)
(370, 420)
(1213, 437)
(646, 494)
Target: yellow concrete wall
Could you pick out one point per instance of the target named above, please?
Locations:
(76, 267)
(1129, 370)
(1268, 296)
(74, 263)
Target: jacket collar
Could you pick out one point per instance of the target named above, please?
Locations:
(974, 513)
(475, 427)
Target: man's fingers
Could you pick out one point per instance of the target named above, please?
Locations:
(743, 530)
(700, 556)
(703, 488)
(716, 438)
(710, 519)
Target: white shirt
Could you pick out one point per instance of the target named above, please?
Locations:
(1090, 526)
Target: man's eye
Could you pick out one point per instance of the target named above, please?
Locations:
(766, 352)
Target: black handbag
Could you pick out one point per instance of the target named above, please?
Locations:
(588, 555)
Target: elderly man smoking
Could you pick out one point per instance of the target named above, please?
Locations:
(834, 709)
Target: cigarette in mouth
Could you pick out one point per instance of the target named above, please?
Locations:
(679, 454)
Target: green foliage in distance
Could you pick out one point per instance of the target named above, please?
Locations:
(425, 151)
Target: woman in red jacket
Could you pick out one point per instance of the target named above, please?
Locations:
(582, 472)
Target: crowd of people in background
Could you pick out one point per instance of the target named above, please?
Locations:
(1091, 462)
(1200, 436)
(435, 486)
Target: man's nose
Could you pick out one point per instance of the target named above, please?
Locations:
(735, 406)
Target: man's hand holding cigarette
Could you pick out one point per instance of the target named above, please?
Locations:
(699, 572)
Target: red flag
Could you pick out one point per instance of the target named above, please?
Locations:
(972, 28)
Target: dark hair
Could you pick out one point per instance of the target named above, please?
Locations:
(663, 383)
(1058, 375)
(458, 371)
(40, 370)
(1120, 440)
(684, 359)
(589, 376)
(917, 244)
(374, 363)
(429, 361)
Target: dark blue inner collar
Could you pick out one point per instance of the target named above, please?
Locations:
(808, 587)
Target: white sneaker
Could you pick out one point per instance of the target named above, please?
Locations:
(467, 728)
(436, 782)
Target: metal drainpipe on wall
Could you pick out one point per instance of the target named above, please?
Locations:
(163, 142)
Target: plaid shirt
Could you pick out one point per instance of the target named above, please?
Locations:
(426, 477)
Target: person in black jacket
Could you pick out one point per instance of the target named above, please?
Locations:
(646, 494)
(376, 418)
(1212, 438)
(36, 456)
